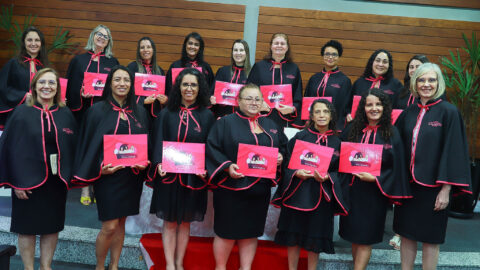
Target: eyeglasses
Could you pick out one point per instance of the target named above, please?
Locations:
(429, 80)
(332, 55)
(252, 100)
(102, 36)
(45, 82)
(191, 85)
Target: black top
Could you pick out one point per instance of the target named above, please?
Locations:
(391, 88)
(206, 70)
(231, 75)
(263, 73)
(333, 84)
(222, 147)
(190, 125)
(435, 144)
(23, 154)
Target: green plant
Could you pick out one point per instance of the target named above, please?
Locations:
(60, 40)
(462, 78)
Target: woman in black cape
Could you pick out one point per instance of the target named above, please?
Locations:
(240, 202)
(308, 199)
(331, 82)
(16, 75)
(278, 68)
(177, 198)
(146, 63)
(36, 157)
(192, 56)
(237, 72)
(406, 98)
(369, 196)
(437, 152)
(117, 189)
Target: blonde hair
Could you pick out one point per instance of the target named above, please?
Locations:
(91, 44)
(57, 99)
(421, 70)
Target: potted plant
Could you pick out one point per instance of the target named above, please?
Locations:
(462, 78)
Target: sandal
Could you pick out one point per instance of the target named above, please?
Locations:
(395, 242)
(85, 200)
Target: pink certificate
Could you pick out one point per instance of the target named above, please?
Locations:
(63, 88)
(126, 150)
(257, 161)
(178, 157)
(176, 71)
(395, 114)
(277, 94)
(148, 84)
(356, 101)
(94, 83)
(226, 93)
(307, 102)
(360, 157)
(310, 157)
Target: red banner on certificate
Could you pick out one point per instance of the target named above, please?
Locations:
(356, 101)
(178, 157)
(310, 157)
(93, 83)
(277, 94)
(149, 84)
(226, 93)
(63, 88)
(307, 102)
(360, 157)
(126, 150)
(395, 114)
(176, 71)
(257, 161)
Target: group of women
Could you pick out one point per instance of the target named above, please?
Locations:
(43, 153)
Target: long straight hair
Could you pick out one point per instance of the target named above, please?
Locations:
(199, 56)
(91, 44)
(155, 68)
(42, 54)
(107, 94)
(247, 66)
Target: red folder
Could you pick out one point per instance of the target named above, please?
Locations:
(226, 93)
(310, 157)
(356, 101)
(149, 84)
(178, 157)
(360, 157)
(94, 83)
(395, 114)
(126, 150)
(277, 94)
(257, 161)
(63, 88)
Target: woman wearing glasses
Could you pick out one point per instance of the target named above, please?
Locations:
(240, 202)
(98, 59)
(331, 82)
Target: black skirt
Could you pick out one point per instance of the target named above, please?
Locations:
(416, 220)
(241, 214)
(365, 223)
(176, 203)
(118, 194)
(43, 212)
(311, 230)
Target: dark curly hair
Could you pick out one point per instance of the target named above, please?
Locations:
(332, 125)
(406, 80)
(175, 97)
(107, 94)
(368, 72)
(334, 44)
(155, 68)
(42, 54)
(199, 56)
(361, 120)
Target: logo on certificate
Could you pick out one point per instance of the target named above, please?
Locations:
(256, 161)
(98, 84)
(124, 151)
(309, 158)
(276, 97)
(228, 94)
(148, 85)
(358, 159)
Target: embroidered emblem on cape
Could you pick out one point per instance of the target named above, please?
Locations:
(290, 76)
(335, 85)
(435, 124)
(67, 130)
(388, 92)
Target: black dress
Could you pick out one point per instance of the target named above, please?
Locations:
(231, 74)
(308, 206)
(206, 70)
(437, 152)
(263, 73)
(333, 84)
(118, 194)
(240, 205)
(78, 65)
(179, 197)
(369, 201)
(155, 107)
(14, 86)
(391, 87)
(32, 136)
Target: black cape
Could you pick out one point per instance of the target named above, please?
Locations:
(306, 195)
(14, 86)
(230, 75)
(155, 107)
(391, 88)
(100, 119)
(206, 70)
(289, 73)
(170, 127)
(222, 148)
(23, 157)
(440, 154)
(338, 86)
(76, 68)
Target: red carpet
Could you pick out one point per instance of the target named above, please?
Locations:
(199, 254)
